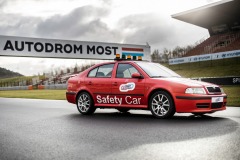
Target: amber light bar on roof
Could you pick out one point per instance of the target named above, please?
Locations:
(128, 57)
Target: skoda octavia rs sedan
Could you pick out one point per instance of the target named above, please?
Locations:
(126, 85)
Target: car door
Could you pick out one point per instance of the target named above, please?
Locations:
(129, 90)
(99, 81)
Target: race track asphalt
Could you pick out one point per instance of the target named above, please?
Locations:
(53, 129)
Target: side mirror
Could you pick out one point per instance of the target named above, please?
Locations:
(137, 75)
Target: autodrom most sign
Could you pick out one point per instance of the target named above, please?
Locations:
(53, 48)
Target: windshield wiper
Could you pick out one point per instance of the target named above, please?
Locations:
(157, 76)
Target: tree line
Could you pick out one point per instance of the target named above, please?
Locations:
(5, 73)
(178, 52)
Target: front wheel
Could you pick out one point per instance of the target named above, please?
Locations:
(85, 104)
(161, 105)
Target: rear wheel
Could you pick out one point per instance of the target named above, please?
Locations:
(85, 104)
(161, 105)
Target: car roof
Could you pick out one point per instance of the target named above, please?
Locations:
(118, 61)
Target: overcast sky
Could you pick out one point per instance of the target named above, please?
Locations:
(115, 21)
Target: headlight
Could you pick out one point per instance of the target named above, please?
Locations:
(195, 91)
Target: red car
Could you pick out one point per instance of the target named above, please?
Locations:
(126, 85)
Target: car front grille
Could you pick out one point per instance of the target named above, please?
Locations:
(217, 105)
(202, 105)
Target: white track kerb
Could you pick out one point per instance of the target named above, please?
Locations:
(54, 48)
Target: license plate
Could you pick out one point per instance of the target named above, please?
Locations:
(217, 99)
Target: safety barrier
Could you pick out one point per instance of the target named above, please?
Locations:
(205, 57)
(56, 86)
(221, 80)
(14, 88)
(33, 87)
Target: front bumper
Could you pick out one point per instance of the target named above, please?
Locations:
(200, 104)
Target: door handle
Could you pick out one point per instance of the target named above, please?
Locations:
(114, 83)
(90, 82)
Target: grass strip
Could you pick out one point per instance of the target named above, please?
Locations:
(233, 93)
(35, 94)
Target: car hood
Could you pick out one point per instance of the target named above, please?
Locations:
(187, 82)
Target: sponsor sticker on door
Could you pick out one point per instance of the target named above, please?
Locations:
(127, 87)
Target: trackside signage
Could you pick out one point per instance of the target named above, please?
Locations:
(205, 57)
(221, 80)
(53, 48)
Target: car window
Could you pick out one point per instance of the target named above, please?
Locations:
(155, 70)
(102, 71)
(125, 71)
(93, 72)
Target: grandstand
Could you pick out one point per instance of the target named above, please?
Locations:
(222, 20)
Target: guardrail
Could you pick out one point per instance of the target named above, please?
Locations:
(56, 86)
(33, 87)
(14, 88)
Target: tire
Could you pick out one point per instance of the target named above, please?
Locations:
(123, 110)
(161, 105)
(85, 104)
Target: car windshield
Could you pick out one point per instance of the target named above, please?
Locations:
(155, 70)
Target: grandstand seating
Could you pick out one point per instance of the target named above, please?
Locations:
(217, 43)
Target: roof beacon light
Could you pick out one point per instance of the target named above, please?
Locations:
(127, 57)
(117, 56)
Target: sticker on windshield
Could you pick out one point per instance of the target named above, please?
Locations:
(127, 87)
